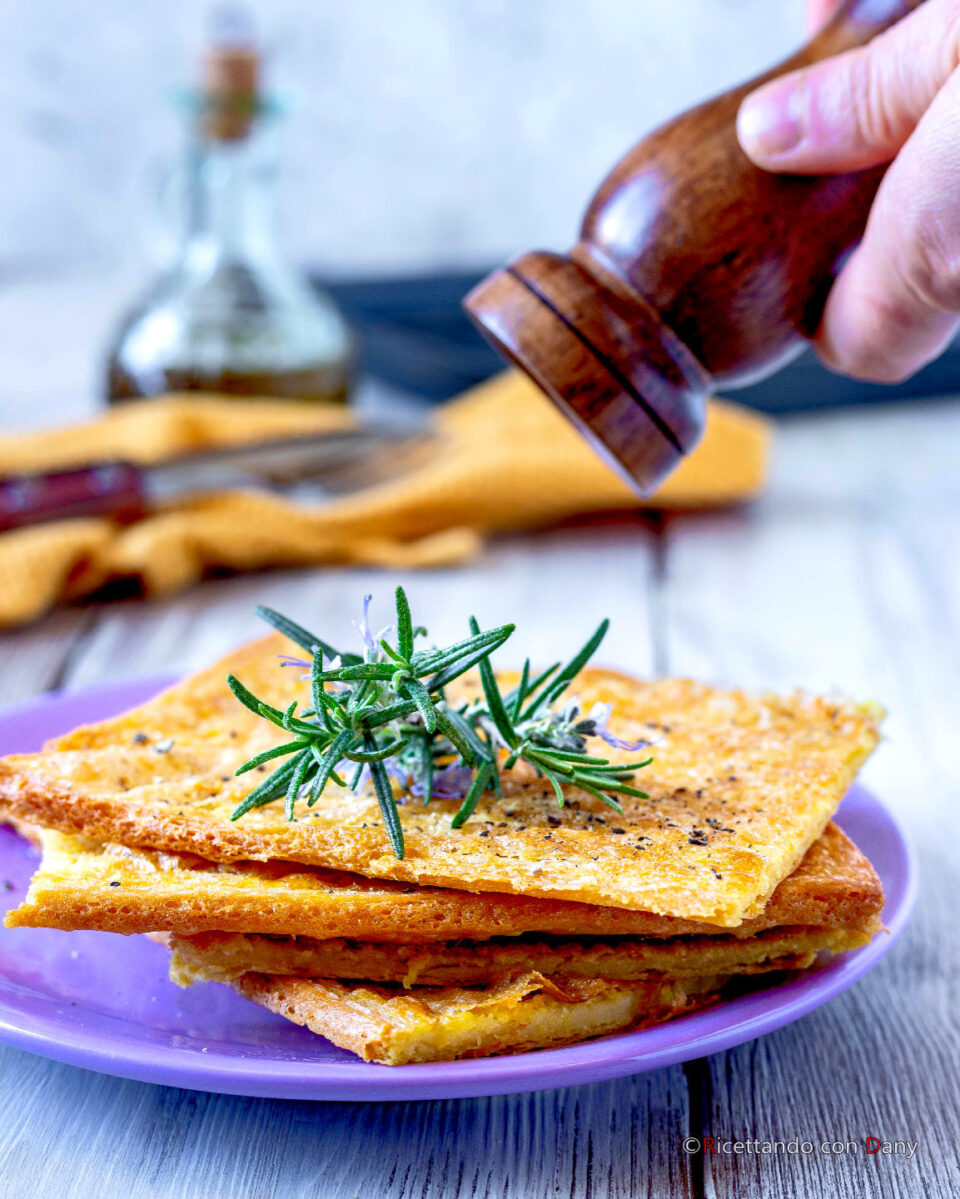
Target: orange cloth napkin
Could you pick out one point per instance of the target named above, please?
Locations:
(506, 460)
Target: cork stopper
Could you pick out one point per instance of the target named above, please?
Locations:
(231, 77)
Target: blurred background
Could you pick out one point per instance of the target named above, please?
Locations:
(421, 135)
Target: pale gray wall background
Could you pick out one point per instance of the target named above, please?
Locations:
(424, 132)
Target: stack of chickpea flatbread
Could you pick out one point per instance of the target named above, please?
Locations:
(531, 926)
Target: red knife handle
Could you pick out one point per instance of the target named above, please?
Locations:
(114, 489)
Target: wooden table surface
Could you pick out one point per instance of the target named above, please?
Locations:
(845, 575)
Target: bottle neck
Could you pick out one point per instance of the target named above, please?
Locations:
(230, 199)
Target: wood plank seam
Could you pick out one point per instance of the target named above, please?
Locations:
(697, 1072)
(61, 676)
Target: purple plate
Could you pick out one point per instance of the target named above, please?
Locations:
(103, 1001)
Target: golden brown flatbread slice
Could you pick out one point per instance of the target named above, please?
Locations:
(395, 1027)
(82, 884)
(740, 787)
(226, 956)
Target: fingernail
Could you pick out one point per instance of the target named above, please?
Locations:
(767, 123)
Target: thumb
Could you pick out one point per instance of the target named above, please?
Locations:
(856, 110)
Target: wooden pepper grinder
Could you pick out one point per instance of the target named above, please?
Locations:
(694, 269)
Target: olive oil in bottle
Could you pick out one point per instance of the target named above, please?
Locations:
(231, 315)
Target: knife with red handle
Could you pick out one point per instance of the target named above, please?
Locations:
(115, 489)
(332, 463)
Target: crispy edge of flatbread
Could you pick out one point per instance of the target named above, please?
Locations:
(394, 1027)
(835, 886)
(226, 956)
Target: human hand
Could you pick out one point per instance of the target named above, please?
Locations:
(896, 304)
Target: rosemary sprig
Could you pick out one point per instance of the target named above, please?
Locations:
(385, 713)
